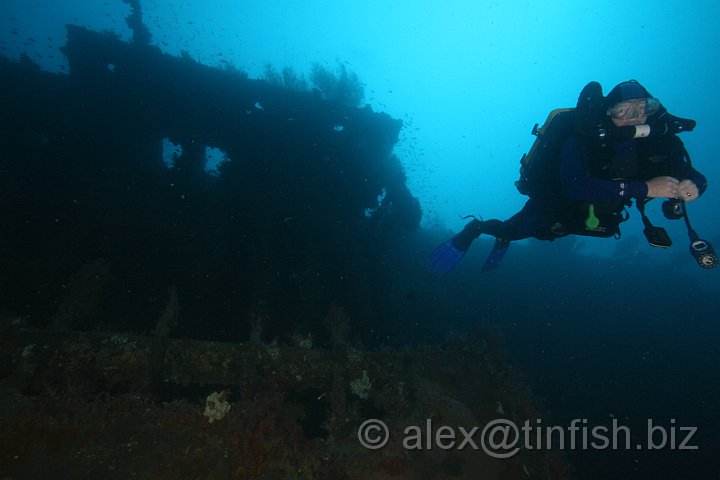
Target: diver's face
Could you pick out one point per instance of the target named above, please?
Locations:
(624, 122)
(631, 112)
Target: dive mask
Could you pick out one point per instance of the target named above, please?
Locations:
(636, 108)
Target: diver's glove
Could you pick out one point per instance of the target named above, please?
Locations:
(667, 124)
(664, 123)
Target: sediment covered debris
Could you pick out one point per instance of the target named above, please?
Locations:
(137, 406)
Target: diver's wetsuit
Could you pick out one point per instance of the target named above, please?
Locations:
(546, 220)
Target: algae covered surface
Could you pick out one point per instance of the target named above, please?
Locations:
(96, 405)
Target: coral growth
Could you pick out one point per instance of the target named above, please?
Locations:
(361, 386)
(288, 78)
(216, 406)
(342, 86)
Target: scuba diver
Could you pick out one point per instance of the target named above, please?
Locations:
(585, 168)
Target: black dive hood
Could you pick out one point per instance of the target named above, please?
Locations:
(629, 90)
(660, 123)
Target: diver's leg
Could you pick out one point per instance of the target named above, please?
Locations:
(536, 220)
(531, 221)
(448, 254)
(524, 224)
(515, 228)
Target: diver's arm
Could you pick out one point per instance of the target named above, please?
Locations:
(698, 179)
(578, 185)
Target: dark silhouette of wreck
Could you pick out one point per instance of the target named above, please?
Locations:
(291, 225)
(299, 236)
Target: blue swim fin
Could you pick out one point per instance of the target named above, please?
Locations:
(448, 254)
(496, 255)
(444, 258)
